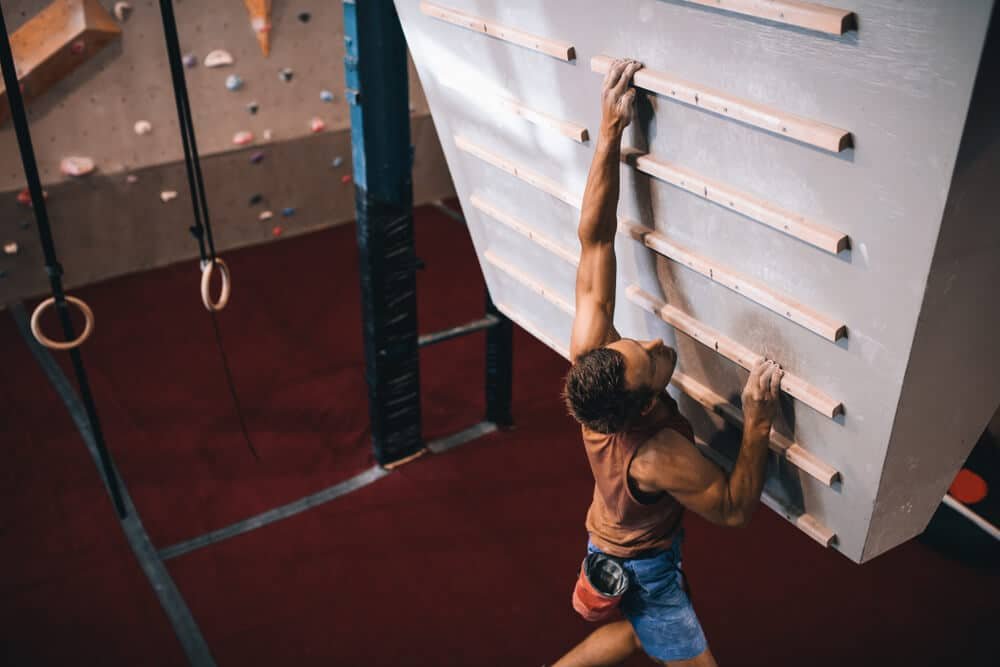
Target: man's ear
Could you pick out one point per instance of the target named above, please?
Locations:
(649, 406)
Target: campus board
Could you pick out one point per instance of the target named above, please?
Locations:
(794, 189)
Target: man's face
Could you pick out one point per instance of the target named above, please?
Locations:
(648, 363)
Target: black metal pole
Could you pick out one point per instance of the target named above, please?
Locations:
(377, 91)
(499, 367)
(52, 266)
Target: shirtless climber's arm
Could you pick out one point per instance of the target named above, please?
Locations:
(593, 325)
(670, 462)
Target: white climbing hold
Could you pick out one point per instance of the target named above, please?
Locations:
(76, 165)
(242, 138)
(234, 82)
(131, 178)
(326, 95)
(122, 11)
(267, 134)
(337, 161)
(317, 125)
(10, 248)
(168, 195)
(265, 215)
(190, 60)
(143, 127)
(218, 58)
(286, 74)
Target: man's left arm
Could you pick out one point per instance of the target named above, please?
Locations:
(593, 324)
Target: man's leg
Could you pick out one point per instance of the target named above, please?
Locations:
(705, 659)
(607, 645)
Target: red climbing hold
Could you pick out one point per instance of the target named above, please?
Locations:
(277, 231)
(968, 487)
(346, 178)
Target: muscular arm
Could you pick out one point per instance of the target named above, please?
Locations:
(595, 278)
(670, 462)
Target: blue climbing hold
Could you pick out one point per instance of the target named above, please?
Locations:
(288, 212)
(234, 82)
(326, 95)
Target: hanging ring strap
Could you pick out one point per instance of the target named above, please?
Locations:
(36, 326)
(207, 268)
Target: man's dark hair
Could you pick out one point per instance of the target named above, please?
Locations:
(596, 395)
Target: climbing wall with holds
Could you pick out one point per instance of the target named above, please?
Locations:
(273, 131)
(793, 187)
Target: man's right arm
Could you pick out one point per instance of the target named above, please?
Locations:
(673, 464)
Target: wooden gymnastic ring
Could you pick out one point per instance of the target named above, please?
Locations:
(36, 327)
(206, 280)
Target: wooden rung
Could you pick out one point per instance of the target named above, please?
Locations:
(515, 317)
(529, 282)
(790, 384)
(793, 453)
(805, 522)
(808, 15)
(541, 182)
(741, 202)
(489, 209)
(574, 131)
(553, 47)
(755, 291)
(801, 129)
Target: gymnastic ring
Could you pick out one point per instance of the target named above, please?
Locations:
(206, 280)
(36, 326)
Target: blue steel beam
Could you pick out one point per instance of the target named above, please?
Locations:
(377, 91)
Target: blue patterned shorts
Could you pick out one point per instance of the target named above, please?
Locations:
(658, 607)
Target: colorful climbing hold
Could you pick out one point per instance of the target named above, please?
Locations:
(265, 215)
(337, 161)
(253, 108)
(968, 487)
(276, 231)
(24, 197)
(267, 134)
(78, 47)
(242, 138)
(76, 165)
(10, 248)
(190, 60)
(304, 17)
(326, 95)
(131, 178)
(288, 211)
(142, 127)
(168, 195)
(256, 199)
(257, 157)
(122, 11)
(286, 74)
(346, 178)
(317, 125)
(234, 82)
(218, 58)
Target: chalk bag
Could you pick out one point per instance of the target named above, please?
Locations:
(599, 588)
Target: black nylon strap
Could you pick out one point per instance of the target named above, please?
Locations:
(202, 228)
(52, 266)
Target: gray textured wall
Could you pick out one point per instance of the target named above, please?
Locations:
(105, 226)
(901, 84)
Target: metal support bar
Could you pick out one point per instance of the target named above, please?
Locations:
(376, 78)
(499, 367)
(977, 520)
(461, 330)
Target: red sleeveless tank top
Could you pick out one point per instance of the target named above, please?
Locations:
(619, 524)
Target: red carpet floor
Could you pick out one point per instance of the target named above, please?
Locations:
(465, 558)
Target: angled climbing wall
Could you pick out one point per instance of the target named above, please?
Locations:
(794, 187)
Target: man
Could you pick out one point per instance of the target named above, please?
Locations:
(646, 467)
